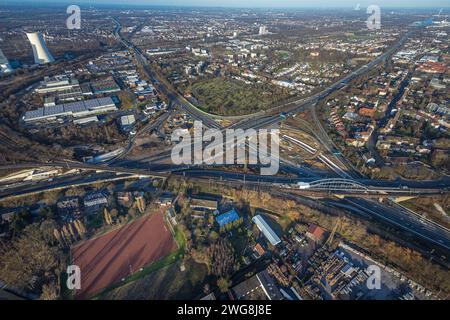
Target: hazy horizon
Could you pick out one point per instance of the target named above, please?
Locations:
(250, 3)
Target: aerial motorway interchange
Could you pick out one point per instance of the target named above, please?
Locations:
(224, 154)
(357, 193)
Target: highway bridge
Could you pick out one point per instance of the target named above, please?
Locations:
(315, 184)
(335, 162)
(330, 185)
(358, 192)
(347, 184)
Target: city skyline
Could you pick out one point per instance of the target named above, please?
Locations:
(255, 3)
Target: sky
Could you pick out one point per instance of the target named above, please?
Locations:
(263, 3)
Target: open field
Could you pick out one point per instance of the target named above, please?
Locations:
(111, 257)
(233, 97)
(166, 283)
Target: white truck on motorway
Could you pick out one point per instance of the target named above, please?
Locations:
(303, 185)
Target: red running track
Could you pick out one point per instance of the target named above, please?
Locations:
(107, 259)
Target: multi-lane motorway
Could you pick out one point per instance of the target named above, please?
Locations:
(270, 118)
(403, 219)
(391, 215)
(381, 187)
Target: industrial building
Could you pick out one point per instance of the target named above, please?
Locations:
(264, 227)
(95, 200)
(127, 120)
(70, 95)
(259, 287)
(64, 89)
(56, 84)
(40, 51)
(227, 218)
(202, 204)
(105, 86)
(79, 109)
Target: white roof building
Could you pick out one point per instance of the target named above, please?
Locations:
(87, 108)
(127, 120)
(266, 230)
(57, 83)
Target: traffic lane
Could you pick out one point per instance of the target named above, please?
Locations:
(44, 185)
(407, 222)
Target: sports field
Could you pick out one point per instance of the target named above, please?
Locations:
(107, 259)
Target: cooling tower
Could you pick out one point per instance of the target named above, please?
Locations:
(40, 50)
(5, 67)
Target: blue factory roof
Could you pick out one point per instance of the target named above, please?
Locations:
(227, 218)
(69, 108)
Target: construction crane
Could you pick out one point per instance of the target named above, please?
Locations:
(333, 232)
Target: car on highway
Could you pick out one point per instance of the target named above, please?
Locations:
(149, 112)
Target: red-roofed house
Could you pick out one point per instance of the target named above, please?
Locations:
(315, 233)
(260, 250)
(366, 112)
